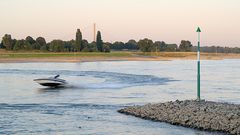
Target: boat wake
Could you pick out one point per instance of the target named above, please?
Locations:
(105, 80)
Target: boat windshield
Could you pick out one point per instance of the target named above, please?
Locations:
(56, 76)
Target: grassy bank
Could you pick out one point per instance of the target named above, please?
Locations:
(50, 54)
(11, 56)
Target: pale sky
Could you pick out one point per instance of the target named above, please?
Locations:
(120, 20)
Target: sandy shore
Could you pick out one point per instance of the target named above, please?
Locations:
(56, 57)
(204, 115)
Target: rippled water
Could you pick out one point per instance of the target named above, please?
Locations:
(96, 90)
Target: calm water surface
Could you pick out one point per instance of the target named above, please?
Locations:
(96, 90)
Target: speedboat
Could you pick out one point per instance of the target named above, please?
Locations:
(51, 81)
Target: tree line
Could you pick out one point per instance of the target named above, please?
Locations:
(77, 45)
(147, 45)
(82, 45)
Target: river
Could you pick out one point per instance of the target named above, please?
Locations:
(96, 90)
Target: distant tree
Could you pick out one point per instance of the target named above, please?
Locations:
(36, 46)
(171, 47)
(117, 45)
(108, 43)
(30, 40)
(14, 42)
(106, 48)
(44, 48)
(160, 45)
(40, 44)
(99, 42)
(92, 47)
(86, 49)
(56, 46)
(146, 45)
(41, 41)
(19, 45)
(213, 49)
(78, 44)
(7, 42)
(185, 46)
(85, 46)
(227, 50)
(131, 45)
(234, 50)
(69, 46)
(27, 45)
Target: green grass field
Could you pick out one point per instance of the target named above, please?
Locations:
(50, 54)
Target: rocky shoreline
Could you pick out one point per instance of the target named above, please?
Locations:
(203, 115)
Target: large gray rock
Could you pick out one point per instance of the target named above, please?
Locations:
(204, 115)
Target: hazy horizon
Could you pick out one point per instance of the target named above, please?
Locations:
(164, 20)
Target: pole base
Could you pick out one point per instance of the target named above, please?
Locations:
(199, 100)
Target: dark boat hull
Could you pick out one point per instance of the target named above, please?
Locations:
(51, 82)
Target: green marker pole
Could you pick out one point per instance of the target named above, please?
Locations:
(198, 65)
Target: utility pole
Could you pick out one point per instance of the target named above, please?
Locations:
(198, 65)
(94, 32)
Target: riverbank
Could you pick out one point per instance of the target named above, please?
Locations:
(12, 57)
(204, 115)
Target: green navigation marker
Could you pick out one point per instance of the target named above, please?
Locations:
(198, 65)
(198, 29)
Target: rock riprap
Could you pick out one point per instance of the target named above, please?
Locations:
(204, 115)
